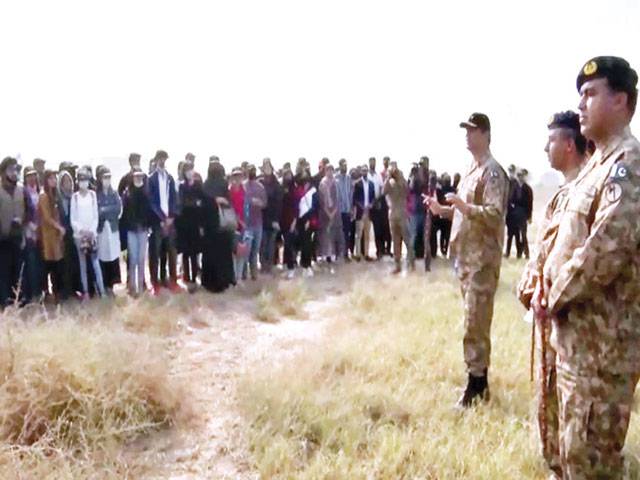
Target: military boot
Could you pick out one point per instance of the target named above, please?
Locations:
(477, 389)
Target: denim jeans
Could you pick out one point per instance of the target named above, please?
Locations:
(137, 250)
(93, 258)
(256, 240)
(240, 261)
(162, 250)
(268, 249)
(33, 273)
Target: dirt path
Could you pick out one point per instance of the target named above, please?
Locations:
(221, 339)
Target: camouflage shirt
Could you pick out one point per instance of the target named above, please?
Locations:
(594, 266)
(477, 238)
(547, 232)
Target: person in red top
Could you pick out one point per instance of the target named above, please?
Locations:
(236, 193)
(240, 206)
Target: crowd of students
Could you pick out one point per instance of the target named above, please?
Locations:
(64, 232)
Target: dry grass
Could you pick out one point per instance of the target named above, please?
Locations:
(77, 387)
(376, 401)
(282, 299)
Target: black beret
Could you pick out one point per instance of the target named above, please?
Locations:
(616, 70)
(568, 119)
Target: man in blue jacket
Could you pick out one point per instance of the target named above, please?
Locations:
(162, 243)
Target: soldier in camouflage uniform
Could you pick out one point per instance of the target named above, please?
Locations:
(477, 236)
(591, 280)
(565, 148)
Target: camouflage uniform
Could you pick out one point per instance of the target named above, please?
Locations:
(547, 402)
(476, 246)
(594, 297)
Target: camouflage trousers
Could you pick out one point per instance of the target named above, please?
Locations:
(547, 403)
(595, 408)
(478, 287)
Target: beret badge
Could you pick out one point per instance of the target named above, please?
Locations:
(590, 68)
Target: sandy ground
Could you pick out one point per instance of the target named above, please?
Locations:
(221, 339)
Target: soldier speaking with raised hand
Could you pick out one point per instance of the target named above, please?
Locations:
(477, 236)
(591, 280)
(565, 148)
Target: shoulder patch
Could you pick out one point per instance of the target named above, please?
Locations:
(613, 192)
(619, 171)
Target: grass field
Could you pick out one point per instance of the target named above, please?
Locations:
(375, 401)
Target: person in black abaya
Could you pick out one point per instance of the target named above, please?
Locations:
(217, 244)
(189, 225)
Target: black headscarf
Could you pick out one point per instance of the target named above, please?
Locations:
(216, 184)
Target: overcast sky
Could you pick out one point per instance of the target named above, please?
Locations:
(86, 80)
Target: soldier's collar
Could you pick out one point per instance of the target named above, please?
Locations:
(614, 144)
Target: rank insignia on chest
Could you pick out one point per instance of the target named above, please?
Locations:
(494, 174)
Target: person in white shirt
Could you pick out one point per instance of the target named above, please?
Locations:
(84, 222)
(376, 214)
(162, 243)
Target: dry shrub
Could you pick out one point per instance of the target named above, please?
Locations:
(153, 315)
(75, 392)
(282, 299)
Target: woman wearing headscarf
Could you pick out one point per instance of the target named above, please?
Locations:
(331, 237)
(307, 218)
(109, 211)
(217, 248)
(290, 200)
(189, 224)
(270, 216)
(84, 221)
(70, 264)
(52, 232)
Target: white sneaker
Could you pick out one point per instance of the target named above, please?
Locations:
(291, 274)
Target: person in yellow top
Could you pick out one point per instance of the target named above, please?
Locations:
(477, 236)
(590, 288)
(566, 150)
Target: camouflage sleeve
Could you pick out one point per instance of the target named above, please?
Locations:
(533, 269)
(492, 210)
(610, 246)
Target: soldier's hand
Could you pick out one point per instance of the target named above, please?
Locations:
(539, 303)
(454, 200)
(458, 203)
